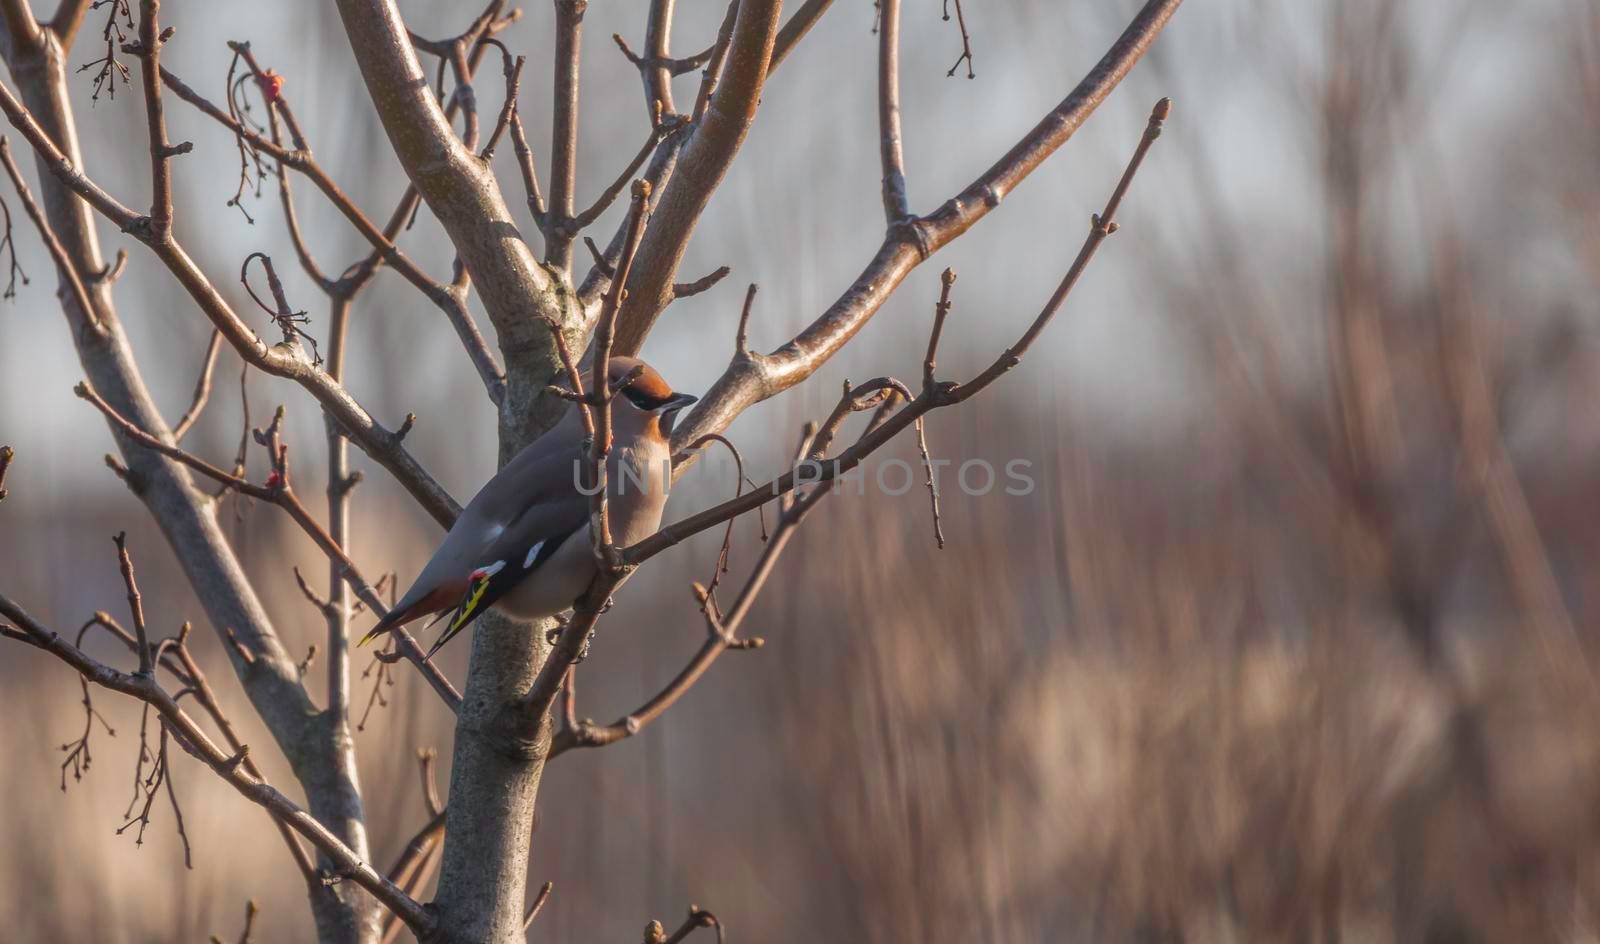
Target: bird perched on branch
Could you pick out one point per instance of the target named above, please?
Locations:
(521, 544)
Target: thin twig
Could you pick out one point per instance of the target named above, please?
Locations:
(966, 41)
(932, 481)
(721, 635)
(58, 253)
(277, 490)
(739, 481)
(202, 388)
(705, 282)
(250, 911)
(287, 319)
(600, 445)
(193, 677)
(8, 245)
(105, 79)
(177, 812)
(741, 339)
(947, 280)
(610, 194)
(903, 248)
(942, 394)
(238, 108)
(291, 218)
(507, 109)
(712, 75)
(445, 297)
(380, 669)
(135, 602)
(78, 756)
(530, 174)
(349, 865)
(538, 905)
(430, 787)
(654, 933)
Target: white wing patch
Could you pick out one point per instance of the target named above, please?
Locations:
(533, 552)
(487, 571)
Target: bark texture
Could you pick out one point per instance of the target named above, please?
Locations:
(316, 744)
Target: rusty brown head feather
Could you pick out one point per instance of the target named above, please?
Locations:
(647, 389)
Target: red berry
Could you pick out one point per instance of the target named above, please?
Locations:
(271, 85)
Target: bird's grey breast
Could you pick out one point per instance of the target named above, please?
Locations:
(639, 477)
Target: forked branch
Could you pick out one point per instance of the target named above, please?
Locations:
(935, 395)
(279, 491)
(226, 765)
(749, 380)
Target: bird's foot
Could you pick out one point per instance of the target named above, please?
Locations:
(583, 651)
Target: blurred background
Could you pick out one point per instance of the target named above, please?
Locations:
(1291, 642)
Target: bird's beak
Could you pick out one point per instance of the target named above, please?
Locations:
(669, 411)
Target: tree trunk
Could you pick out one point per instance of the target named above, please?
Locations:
(316, 745)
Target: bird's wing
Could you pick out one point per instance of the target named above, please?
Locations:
(514, 556)
(536, 489)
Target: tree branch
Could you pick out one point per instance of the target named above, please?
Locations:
(705, 282)
(530, 173)
(658, 71)
(198, 743)
(69, 16)
(21, 29)
(749, 380)
(795, 30)
(464, 196)
(161, 152)
(610, 194)
(596, 406)
(265, 670)
(58, 253)
(508, 108)
(721, 635)
(135, 605)
(896, 205)
(381, 444)
(665, 159)
(719, 131)
(278, 491)
(966, 41)
(564, 132)
(451, 302)
(698, 918)
(202, 388)
(538, 904)
(934, 395)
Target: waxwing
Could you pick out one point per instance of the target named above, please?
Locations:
(522, 544)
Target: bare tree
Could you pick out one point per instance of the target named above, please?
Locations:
(543, 312)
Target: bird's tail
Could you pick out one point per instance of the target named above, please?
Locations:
(388, 622)
(470, 609)
(441, 598)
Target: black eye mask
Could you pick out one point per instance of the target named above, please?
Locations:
(641, 399)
